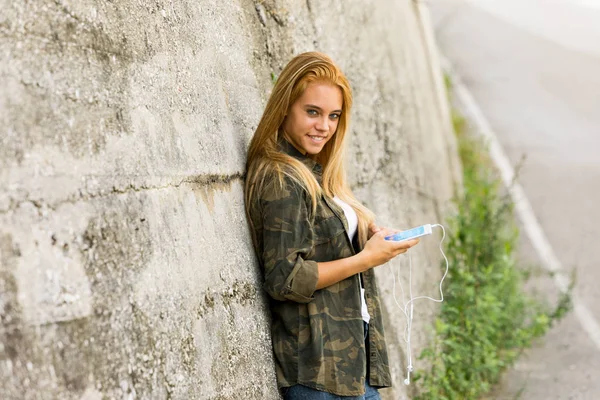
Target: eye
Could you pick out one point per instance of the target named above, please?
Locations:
(312, 112)
(334, 116)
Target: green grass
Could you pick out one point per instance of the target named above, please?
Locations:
(486, 319)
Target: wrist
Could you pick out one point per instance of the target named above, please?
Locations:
(364, 261)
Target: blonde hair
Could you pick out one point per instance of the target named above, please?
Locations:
(265, 157)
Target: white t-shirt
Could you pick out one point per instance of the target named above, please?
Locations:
(352, 219)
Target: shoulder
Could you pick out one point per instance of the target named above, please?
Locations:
(281, 187)
(273, 184)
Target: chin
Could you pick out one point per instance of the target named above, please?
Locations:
(313, 149)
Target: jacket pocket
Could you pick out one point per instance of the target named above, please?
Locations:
(328, 229)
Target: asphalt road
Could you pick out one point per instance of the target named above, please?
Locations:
(533, 66)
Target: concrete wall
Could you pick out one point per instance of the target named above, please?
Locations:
(127, 270)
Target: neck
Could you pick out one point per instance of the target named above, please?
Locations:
(296, 147)
(286, 138)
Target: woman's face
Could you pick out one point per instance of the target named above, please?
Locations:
(313, 119)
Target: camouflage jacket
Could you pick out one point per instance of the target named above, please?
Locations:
(318, 335)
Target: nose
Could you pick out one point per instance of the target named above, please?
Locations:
(323, 124)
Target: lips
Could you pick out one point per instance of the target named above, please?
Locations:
(317, 139)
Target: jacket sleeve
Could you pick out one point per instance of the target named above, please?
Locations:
(287, 240)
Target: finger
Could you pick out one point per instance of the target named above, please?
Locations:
(388, 231)
(413, 242)
(382, 234)
(404, 244)
(408, 243)
(392, 230)
(400, 251)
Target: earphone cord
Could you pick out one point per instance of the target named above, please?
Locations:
(405, 311)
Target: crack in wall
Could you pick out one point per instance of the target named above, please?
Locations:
(208, 181)
(313, 23)
(65, 10)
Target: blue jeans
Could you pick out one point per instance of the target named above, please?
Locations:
(300, 392)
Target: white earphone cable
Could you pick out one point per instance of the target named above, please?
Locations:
(409, 313)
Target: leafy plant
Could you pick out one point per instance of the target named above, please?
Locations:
(486, 319)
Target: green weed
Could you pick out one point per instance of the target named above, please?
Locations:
(486, 319)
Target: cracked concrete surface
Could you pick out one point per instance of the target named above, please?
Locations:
(126, 266)
(127, 185)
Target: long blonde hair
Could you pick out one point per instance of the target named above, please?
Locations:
(265, 157)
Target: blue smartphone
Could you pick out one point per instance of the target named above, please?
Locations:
(411, 233)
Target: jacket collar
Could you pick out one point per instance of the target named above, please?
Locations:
(289, 149)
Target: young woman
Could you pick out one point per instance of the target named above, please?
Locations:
(316, 243)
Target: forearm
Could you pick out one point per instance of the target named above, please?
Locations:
(334, 271)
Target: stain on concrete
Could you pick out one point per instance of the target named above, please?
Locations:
(127, 356)
(20, 364)
(205, 186)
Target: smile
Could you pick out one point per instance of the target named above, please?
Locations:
(317, 138)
